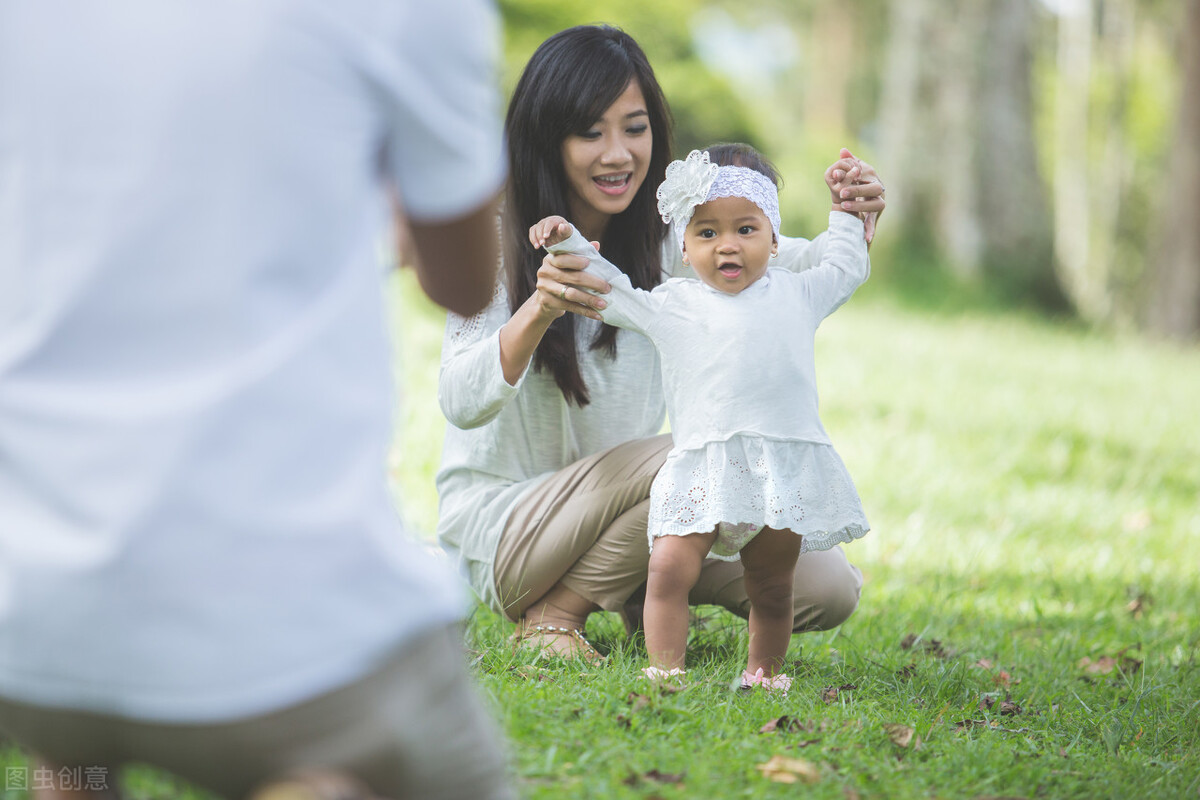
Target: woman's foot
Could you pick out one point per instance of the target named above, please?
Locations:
(556, 640)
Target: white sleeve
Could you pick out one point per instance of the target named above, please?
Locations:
(797, 255)
(628, 307)
(471, 385)
(443, 141)
(844, 266)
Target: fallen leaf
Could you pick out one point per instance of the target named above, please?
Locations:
(932, 646)
(654, 775)
(1004, 679)
(1105, 665)
(784, 724)
(1005, 707)
(907, 671)
(782, 769)
(983, 663)
(902, 735)
(830, 693)
(637, 701)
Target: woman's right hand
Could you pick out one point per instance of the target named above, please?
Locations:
(563, 286)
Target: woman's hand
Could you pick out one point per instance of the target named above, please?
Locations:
(563, 286)
(862, 192)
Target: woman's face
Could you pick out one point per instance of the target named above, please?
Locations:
(607, 163)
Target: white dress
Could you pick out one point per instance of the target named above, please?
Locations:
(740, 385)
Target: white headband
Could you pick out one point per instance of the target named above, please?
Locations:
(695, 181)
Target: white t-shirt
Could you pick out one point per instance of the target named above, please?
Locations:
(195, 385)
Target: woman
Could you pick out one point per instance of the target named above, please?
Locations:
(551, 449)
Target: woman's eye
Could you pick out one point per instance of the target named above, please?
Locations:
(637, 130)
(589, 135)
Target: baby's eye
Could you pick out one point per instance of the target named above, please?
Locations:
(706, 233)
(746, 230)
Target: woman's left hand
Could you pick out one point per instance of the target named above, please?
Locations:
(864, 194)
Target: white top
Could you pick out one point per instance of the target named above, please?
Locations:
(740, 386)
(503, 440)
(195, 385)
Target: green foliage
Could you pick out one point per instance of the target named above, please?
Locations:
(705, 108)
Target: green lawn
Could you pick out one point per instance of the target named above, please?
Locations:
(1028, 627)
(1030, 606)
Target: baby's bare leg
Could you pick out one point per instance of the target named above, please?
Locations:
(769, 560)
(674, 567)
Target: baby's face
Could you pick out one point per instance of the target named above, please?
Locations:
(728, 243)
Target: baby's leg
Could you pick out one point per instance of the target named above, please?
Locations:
(674, 567)
(769, 559)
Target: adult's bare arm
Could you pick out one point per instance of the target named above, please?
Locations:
(456, 259)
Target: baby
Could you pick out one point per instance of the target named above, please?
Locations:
(752, 473)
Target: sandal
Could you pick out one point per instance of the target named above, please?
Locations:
(771, 683)
(577, 643)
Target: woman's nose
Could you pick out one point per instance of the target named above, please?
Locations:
(615, 152)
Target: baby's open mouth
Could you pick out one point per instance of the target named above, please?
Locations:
(730, 270)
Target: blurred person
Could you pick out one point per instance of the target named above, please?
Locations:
(200, 564)
(752, 475)
(551, 449)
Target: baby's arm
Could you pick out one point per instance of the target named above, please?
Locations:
(845, 263)
(627, 307)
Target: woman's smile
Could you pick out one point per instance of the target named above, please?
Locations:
(614, 184)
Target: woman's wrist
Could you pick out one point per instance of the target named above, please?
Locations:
(521, 335)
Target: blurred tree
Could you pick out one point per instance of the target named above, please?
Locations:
(705, 107)
(1174, 308)
(958, 143)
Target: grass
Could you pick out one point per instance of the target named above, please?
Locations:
(1028, 623)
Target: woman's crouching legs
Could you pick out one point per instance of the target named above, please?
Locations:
(825, 592)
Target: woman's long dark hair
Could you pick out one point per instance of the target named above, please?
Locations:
(566, 87)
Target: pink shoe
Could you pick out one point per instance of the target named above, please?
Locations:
(771, 683)
(655, 674)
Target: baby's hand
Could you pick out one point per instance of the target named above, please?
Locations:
(551, 230)
(839, 175)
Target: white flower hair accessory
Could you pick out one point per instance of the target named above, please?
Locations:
(694, 181)
(686, 186)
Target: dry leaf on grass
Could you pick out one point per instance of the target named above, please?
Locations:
(782, 769)
(1105, 665)
(902, 735)
(1005, 707)
(932, 646)
(784, 724)
(830, 693)
(655, 776)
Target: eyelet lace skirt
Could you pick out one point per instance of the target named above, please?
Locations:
(745, 483)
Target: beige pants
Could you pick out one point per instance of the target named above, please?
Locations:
(413, 729)
(585, 527)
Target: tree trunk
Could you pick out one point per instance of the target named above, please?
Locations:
(1072, 218)
(1017, 231)
(1175, 298)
